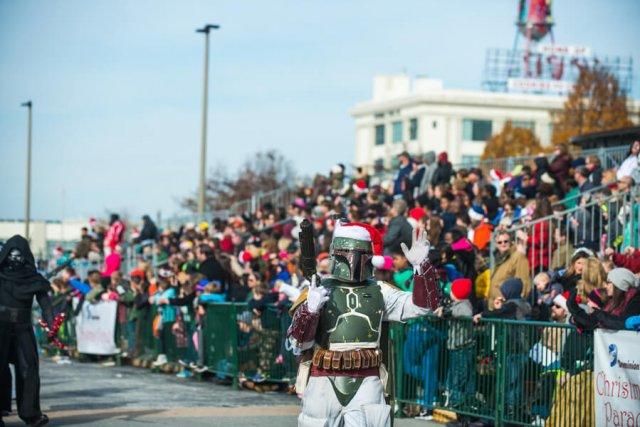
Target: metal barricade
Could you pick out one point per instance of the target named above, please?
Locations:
(501, 371)
(239, 344)
(600, 223)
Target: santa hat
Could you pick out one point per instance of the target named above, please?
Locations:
(388, 263)
(360, 186)
(461, 288)
(363, 232)
(497, 174)
(417, 213)
(561, 301)
(244, 257)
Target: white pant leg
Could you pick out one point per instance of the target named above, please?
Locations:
(320, 406)
(368, 407)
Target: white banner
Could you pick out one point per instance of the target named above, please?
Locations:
(95, 328)
(564, 50)
(616, 377)
(539, 85)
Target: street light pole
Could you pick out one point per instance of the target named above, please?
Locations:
(27, 208)
(205, 101)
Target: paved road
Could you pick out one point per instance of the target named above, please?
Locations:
(87, 394)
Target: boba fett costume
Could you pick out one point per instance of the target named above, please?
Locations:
(336, 327)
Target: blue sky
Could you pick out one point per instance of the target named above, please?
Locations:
(117, 85)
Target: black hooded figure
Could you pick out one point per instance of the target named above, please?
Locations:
(19, 283)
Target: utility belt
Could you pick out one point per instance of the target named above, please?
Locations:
(15, 315)
(347, 360)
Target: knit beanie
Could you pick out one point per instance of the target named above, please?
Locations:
(461, 288)
(622, 278)
(388, 263)
(511, 288)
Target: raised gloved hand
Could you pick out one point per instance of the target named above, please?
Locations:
(419, 250)
(317, 296)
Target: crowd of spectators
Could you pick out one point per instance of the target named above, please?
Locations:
(575, 278)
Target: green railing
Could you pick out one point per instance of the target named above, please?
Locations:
(518, 373)
(506, 372)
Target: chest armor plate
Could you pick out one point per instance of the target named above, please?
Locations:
(352, 315)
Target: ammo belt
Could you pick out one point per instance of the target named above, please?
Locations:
(15, 315)
(347, 360)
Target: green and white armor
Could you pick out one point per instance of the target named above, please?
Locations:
(352, 316)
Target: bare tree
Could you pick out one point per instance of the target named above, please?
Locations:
(261, 172)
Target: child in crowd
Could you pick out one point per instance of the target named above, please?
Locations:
(510, 304)
(166, 314)
(403, 272)
(545, 292)
(460, 379)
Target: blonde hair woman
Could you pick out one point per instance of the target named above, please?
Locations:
(593, 276)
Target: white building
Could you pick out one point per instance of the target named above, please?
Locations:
(44, 235)
(420, 116)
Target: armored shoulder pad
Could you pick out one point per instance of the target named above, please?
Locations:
(302, 298)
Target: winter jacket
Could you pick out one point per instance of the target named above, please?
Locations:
(112, 264)
(399, 231)
(403, 172)
(513, 309)
(542, 166)
(429, 170)
(538, 246)
(443, 172)
(403, 279)
(596, 177)
(559, 169)
(608, 318)
(516, 265)
(460, 333)
(482, 235)
(114, 235)
(415, 179)
(627, 167)
(167, 312)
(212, 270)
(149, 230)
(630, 261)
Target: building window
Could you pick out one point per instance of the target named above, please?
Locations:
(378, 166)
(379, 116)
(476, 130)
(379, 134)
(470, 161)
(434, 124)
(413, 129)
(394, 162)
(397, 131)
(524, 124)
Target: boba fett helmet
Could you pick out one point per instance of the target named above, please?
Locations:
(356, 248)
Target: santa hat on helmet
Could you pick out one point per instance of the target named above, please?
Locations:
(363, 232)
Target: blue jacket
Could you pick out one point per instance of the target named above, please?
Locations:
(167, 312)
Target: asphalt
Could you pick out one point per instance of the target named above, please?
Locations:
(89, 394)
